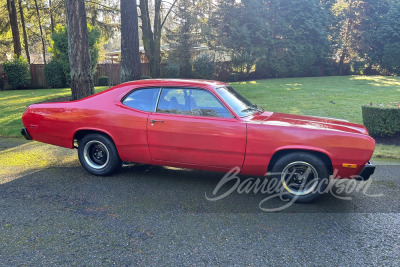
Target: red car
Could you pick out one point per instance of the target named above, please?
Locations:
(202, 125)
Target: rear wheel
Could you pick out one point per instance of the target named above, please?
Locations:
(98, 154)
(303, 176)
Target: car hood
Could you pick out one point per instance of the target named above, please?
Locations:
(310, 122)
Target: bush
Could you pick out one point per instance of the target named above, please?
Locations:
(144, 77)
(3, 80)
(314, 71)
(172, 70)
(233, 77)
(17, 72)
(59, 48)
(54, 74)
(204, 67)
(329, 71)
(104, 81)
(382, 121)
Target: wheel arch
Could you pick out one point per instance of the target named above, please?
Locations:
(80, 133)
(284, 151)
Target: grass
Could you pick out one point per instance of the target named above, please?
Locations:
(337, 97)
(13, 103)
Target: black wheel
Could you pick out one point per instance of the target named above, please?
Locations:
(98, 154)
(303, 176)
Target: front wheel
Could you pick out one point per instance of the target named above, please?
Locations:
(303, 176)
(98, 154)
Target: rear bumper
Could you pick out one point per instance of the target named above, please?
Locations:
(366, 172)
(25, 133)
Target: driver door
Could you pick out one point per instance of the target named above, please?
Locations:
(192, 126)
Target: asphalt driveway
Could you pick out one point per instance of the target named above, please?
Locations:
(53, 212)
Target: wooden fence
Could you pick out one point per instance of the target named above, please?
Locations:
(38, 78)
(113, 71)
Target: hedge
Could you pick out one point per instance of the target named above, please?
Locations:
(382, 121)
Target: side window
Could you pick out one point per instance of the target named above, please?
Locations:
(143, 99)
(194, 102)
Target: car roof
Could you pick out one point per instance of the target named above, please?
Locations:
(174, 82)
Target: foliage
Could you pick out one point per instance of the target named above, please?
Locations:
(385, 40)
(104, 81)
(3, 80)
(17, 72)
(382, 121)
(54, 73)
(172, 70)
(181, 39)
(59, 48)
(281, 38)
(204, 67)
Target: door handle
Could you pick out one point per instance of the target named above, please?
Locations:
(153, 121)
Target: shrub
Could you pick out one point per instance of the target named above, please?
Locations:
(330, 71)
(382, 120)
(144, 77)
(203, 67)
(59, 48)
(233, 77)
(17, 72)
(104, 81)
(314, 71)
(54, 74)
(3, 80)
(172, 70)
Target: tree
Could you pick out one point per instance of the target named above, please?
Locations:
(12, 12)
(130, 58)
(151, 36)
(26, 46)
(41, 32)
(300, 36)
(385, 43)
(282, 38)
(78, 49)
(181, 39)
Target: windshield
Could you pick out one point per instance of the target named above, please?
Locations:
(237, 102)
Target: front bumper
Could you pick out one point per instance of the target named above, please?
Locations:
(366, 172)
(25, 133)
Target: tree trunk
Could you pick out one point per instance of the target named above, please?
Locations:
(147, 33)
(41, 33)
(130, 58)
(12, 12)
(78, 49)
(51, 18)
(152, 40)
(21, 12)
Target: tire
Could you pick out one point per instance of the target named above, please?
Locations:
(98, 154)
(303, 176)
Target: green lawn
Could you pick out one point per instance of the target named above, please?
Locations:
(338, 97)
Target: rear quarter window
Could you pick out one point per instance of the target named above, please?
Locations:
(142, 99)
